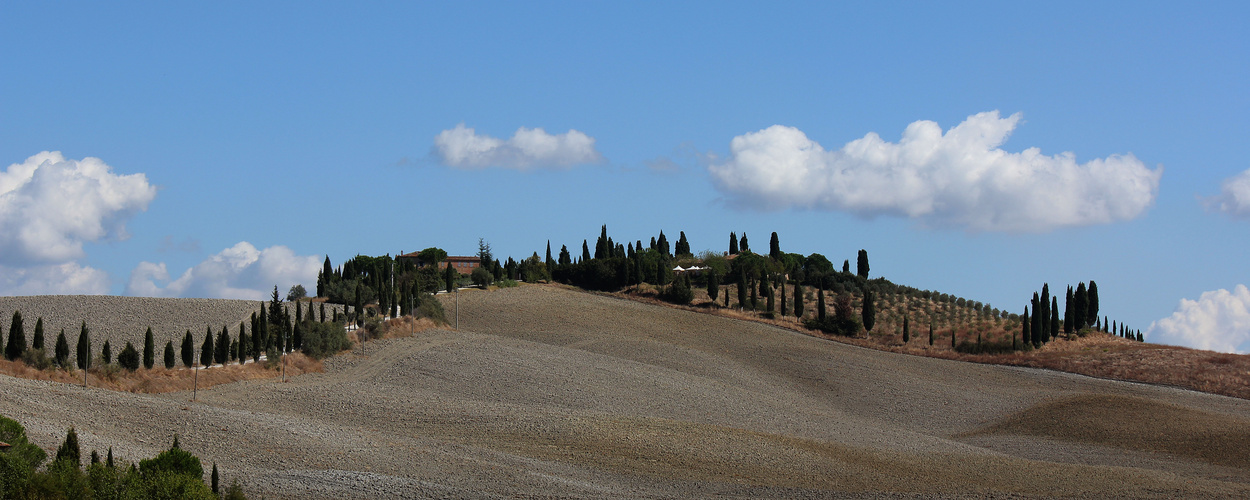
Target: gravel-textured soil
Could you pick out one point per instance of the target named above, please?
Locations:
(547, 392)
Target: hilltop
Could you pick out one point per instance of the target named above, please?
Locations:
(549, 391)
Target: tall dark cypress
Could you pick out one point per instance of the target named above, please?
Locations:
(1092, 297)
(774, 247)
(1080, 308)
(188, 350)
(906, 333)
(169, 354)
(62, 350)
(742, 243)
(1054, 317)
(245, 344)
(1034, 324)
(17, 338)
(38, 340)
(713, 286)
(206, 349)
(1044, 313)
(221, 348)
(585, 251)
(1067, 312)
(1024, 336)
(84, 347)
(742, 288)
(930, 334)
(733, 243)
(861, 264)
(149, 350)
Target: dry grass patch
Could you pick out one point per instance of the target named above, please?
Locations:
(162, 380)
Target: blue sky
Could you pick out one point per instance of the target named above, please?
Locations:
(269, 136)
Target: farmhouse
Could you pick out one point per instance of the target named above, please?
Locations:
(463, 264)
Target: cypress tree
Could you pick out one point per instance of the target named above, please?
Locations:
(906, 334)
(820, 302)
(683, 246)
(206, 349)
(1139, 337)
(733, 243)
(798, 299)
(861, 264)
(69, 450)
(1044, 313)
(258, 342)
(1092, 297)
(713, 286)
(661, 244)
(1034, 325)
(1067, 312)
(188, 350)
(221, 348)
(586, 250)
(215, 479)
(109, 463)
(84, 347)
(846, 266)
(774, 247)
(149, 349)
(17, 338)
(169, 354)
(1080, 308)
(1054, 317)
(952, 338)
(245, 343)
(931, 335)
(129, 357)
(62, 350)
(742, 244)
(38, 340)
(106, 352)
(742, 290)
(1024, 336)
(869, 311)
(754, 297)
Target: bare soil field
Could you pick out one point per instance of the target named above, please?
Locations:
(553, 393)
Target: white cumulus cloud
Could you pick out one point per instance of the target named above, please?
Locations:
(69, 278)
(49, 207)
(1234, 197)
(960, 178)
(1219, 321)
(238, 272)
(528, 148)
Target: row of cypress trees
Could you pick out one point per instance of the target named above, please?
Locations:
(217, 348)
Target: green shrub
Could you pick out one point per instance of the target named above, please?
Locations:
(129, 357)
(174, 461)
(36, 358)
(482, 277)
(433, 309)
(506, 283)
(324, 339)
(834, 325)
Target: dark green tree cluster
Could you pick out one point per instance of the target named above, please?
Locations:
(171, 474)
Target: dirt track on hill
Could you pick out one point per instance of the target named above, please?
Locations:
(547, 392)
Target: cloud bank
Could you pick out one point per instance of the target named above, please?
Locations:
(238, 272)
(49, 207)
(960, 178)
(529, 148)
(1234, 197)
(1217, 321)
